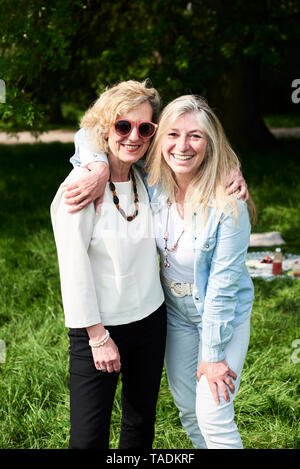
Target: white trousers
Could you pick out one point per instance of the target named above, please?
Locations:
(208, 424)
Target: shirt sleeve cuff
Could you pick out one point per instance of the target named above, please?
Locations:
(86, 157)
(211, 355)
(215, 335)
(83, 155)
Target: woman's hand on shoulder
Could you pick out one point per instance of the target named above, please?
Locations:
(235, 182)
(218, 374)
(87, 189)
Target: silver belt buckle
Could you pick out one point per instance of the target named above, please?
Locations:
(181, 289)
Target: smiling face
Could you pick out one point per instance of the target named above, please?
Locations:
(123, 151)
(184, 145)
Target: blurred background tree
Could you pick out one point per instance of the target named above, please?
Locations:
(57, 56)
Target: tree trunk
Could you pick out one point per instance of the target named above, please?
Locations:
(235, 97)
(54, 112)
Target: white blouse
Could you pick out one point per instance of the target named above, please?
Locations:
(108, 266)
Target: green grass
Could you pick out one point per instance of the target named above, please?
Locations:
(272, 175)
(282, 120)
(34, 400)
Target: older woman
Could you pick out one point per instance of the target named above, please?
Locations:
(111, 291)
(202, 234)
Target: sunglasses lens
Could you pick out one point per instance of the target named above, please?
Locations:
(146, 129)
(123, 127)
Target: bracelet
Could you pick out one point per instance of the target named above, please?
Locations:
(101, 341)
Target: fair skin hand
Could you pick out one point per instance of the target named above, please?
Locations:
(236, 183)
(106, 357)
(81, 193)
(218, 375)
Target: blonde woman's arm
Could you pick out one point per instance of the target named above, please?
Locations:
(226, 270)
(90, 187)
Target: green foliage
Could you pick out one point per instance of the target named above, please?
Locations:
(178, 44)
(68, 51)
(35, 54)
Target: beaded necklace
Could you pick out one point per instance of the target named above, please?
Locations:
(116, 198)
(166, 237)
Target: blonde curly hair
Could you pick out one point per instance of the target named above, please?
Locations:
(114, 102)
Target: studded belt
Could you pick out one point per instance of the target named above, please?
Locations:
(179, 289)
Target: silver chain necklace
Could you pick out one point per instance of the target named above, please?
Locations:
(166, 237)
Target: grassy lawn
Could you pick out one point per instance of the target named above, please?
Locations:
(282, 120)
(34, 378)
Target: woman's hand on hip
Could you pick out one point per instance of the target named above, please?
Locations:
(89, 188)
(218, 374)
(107, 357)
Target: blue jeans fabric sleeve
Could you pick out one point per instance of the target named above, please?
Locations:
(226, 270)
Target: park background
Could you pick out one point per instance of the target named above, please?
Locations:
(55, 58)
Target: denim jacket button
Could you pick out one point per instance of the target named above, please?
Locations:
(207, 246)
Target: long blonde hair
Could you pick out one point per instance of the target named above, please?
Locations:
(207, 188)
(112, 103)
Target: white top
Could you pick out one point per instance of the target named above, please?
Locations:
(182, 259)
(108, 267)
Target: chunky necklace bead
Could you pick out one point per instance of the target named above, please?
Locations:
(116, 198)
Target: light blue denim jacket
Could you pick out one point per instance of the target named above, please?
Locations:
(223, 291)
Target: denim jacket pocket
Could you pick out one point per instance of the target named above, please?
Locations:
(206, 245)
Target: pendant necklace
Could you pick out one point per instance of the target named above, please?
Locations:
(166, 237)
(116, 198)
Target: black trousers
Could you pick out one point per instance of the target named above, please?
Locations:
(141, 346)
